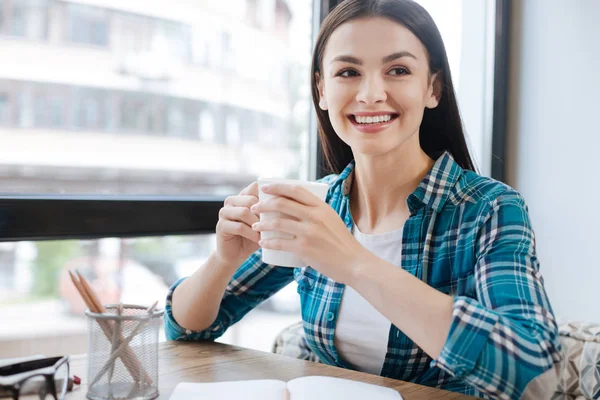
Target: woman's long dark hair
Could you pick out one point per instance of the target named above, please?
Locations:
(441, 129)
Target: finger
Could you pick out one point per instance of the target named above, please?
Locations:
(279, 225)
(251, 189)
(283, 205)
(291, 191)
(278, 244)
(236, 228)
(241, 201)
(239, 214)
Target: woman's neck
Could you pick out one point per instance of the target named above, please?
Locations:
(381, 186)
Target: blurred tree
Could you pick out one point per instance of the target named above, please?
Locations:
(51, 258)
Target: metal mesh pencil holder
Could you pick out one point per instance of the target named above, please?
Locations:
(123, 353)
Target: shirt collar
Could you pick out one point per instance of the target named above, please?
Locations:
(434, 189)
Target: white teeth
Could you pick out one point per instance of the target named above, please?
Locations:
(373, 120)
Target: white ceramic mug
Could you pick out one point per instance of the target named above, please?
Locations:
(279, 257)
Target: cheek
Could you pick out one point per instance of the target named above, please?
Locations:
(410, 96)
(339, 97)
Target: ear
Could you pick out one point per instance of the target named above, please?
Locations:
(321, 88)
(435, 91)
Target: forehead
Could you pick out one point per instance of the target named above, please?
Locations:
(372, 37)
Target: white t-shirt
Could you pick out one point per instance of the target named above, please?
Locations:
(361, 333)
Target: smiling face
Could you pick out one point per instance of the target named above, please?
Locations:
(375, 84)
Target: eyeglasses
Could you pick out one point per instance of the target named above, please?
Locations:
(48, 377)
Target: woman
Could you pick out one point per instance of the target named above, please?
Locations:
(420, 269)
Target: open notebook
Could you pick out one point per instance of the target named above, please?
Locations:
(308, 387)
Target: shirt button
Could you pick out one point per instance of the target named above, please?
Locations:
(330, 316)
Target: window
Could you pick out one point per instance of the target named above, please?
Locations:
(134, 113)
(87, 25)
(8, 267)
(131, 33)
(200, 45)
(2, 16)
(468, 33)
(215, 50)
(136, 134)
(89, 108)
(28, 18)
(249, 129)
(182, 119)
(25, 107)
(50, 108)
(233, 130)
(207, 126)
(171, 39)
(228, 51)
(4, 108)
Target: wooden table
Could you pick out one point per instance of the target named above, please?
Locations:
(215, 362)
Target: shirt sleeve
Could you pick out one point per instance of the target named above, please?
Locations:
(252, 283)
(507, 338)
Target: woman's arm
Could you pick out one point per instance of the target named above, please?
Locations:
(505, 342)
(195, 302)
(212, 300)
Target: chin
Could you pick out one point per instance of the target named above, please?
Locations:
(376, 147)
(371, 150)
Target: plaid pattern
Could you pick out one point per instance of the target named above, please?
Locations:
(467, 236)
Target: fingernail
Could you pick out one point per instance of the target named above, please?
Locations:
(255, 225)
(253, 208)
(265, 188)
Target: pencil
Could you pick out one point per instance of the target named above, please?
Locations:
(90, 298)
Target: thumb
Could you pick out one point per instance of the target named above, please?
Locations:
(251, 189)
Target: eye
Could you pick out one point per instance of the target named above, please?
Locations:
(347, 73)
(399, 71)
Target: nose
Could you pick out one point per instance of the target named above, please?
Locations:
(371, 91)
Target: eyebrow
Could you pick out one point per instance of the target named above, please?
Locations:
(386, 59)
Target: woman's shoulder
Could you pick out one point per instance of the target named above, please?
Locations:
(476, 189)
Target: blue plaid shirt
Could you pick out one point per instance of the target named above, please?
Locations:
(467, 236)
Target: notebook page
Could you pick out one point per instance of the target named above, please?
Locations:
(263, 389)
(326, 388)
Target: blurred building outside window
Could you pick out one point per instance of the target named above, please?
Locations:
(137, 98)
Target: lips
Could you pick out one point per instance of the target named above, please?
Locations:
(372, 122)
(372, 118)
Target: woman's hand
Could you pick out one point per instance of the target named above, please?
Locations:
(320, 237)
(236, 240)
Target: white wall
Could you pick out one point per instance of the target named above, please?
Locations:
(554, 144)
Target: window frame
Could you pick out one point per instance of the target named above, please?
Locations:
(53, 217)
